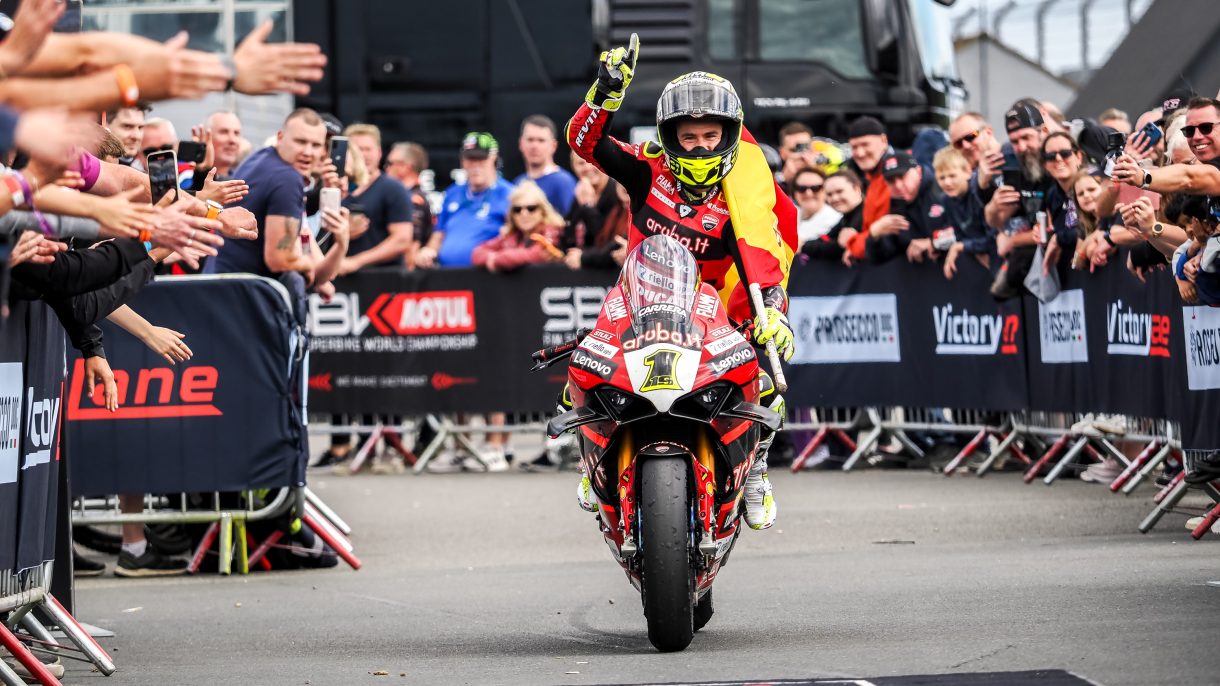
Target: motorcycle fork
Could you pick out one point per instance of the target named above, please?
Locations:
(704, 466)
(626, 494)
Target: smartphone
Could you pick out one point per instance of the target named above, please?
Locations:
(1129, 194)
(1012, 178)
(163, 174)
(1153, 133)
(338, 153)
(192, 151)
(328, 198)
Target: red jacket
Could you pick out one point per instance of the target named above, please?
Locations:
(514, 250)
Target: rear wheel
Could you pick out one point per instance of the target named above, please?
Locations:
(664, 544)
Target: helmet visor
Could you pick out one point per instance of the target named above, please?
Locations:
(698, 97)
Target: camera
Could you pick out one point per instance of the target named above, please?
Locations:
(1114, 148)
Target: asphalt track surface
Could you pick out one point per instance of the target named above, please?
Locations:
(501, 579)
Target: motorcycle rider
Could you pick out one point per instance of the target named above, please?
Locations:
(681, 187)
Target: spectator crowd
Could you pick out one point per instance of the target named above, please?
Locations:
(322, 199)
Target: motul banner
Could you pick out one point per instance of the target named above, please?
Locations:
(446, 340)
(226, 420)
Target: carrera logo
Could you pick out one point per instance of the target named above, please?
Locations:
(159, 394)
(402, 314)
(968, 334)
(443, 382)
(1135, 333)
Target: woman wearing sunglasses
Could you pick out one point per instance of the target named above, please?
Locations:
(1061, 159)
(530, 235)
(814, 217)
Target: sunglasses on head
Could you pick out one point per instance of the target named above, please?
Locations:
(1050, 155)
(518, 209)
(806, 189)
(1204, 128)
(968, 138)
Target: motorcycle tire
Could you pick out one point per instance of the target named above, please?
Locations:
(664, 514)
(703, 610)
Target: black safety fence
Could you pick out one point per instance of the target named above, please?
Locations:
(891, 335)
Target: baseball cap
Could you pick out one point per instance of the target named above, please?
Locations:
(334, 127)
(1175, 101)
(1022, 115)
(897, 164)
(479, 145)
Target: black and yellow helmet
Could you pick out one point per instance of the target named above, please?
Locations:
(701, 96)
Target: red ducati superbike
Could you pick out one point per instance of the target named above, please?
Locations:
(665, 398)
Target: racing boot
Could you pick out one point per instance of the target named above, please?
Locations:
(584, 489)
(757, 495)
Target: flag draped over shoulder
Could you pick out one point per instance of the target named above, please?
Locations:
(764, 225)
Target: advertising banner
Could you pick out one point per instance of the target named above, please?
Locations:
(226, 420)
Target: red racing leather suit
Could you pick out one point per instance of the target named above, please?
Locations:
(658, 206)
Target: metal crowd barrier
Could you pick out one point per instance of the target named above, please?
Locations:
(1062, 442)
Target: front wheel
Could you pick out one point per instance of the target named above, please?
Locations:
(664, 545)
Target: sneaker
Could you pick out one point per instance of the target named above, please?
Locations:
(1102, 472)
(1169, 472)
(494, 460)
(445, 462)
(584, 494)
(1204, 469)
(388, 462)
(1113, 424)
(542, 463)
(83, 566)
(169, 539)
(759, 501)
(97, 540)
(330, 458)
(151, 563)
(56, 668)
(1194, 522)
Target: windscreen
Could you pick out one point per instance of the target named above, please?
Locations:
(660, 279)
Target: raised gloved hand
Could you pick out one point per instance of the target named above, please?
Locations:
(772, 325)
(615, 69)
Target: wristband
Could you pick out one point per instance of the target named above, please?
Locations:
(1106, 236)
(145, 235)
(14, 189)
(129, 89)
(43, 223)
(25, 187)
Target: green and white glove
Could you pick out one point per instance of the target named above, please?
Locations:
(772, 325)
(615, 69)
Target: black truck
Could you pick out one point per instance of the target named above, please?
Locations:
(428, 71)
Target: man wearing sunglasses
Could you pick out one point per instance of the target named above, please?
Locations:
(970, 135)
(1202, 131)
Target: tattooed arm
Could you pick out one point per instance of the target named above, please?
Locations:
(282, 246)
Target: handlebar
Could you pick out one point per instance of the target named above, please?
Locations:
(549, 356)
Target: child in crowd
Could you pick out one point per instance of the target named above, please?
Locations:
(968, 234)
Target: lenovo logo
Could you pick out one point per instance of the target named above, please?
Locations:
(160, 393)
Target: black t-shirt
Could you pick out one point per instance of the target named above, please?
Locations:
(384, 202)
(277, 189)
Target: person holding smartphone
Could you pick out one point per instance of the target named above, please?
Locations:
(277, 176)
(384, 201)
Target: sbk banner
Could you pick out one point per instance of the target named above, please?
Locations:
(228, 419)
(901, 334)
(439, 341)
